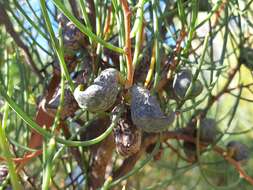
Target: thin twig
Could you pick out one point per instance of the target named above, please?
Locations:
(175, 61)
(214, 98)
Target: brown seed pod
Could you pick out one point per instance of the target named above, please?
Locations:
(146, 112)
(71, 63)
(127, 136)
(69, 105)
(72, 37)
(238, 151)
(102, 94)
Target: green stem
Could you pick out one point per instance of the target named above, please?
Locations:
(137, 31)
(192, 27)
(5, 145)
(120, 23)
(85, 17)
(47, 170)
(181, 12)
(55, 44)
(156, 44)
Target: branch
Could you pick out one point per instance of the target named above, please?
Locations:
(5, 20)
(149, 139)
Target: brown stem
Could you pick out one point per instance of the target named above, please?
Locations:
(101, 153)
(100, 161)
(92, 17)
(219, 11)
(175, 61)
(5, 20)
(128, 50)
(107, 23)
(74, 8)
(26, 158)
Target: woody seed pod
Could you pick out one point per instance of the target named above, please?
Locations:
(127, 136)
(238, 151)
(182, 82)
(146, 112)
(102, 94)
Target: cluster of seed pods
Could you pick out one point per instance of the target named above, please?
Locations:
(145, 114)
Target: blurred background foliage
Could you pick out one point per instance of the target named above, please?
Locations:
(228, 27)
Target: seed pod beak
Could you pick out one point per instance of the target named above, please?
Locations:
(81, 87)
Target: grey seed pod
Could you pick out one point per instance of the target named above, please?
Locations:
(3, 172)
(127, 136)
(238, 151)
(102, 94)
(146, 112)
(182, 82)
(197, 88)
(208, 130)
(69, 105)
(246, 57)
(204, 6)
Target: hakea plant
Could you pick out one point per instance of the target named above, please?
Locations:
(123, 83)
